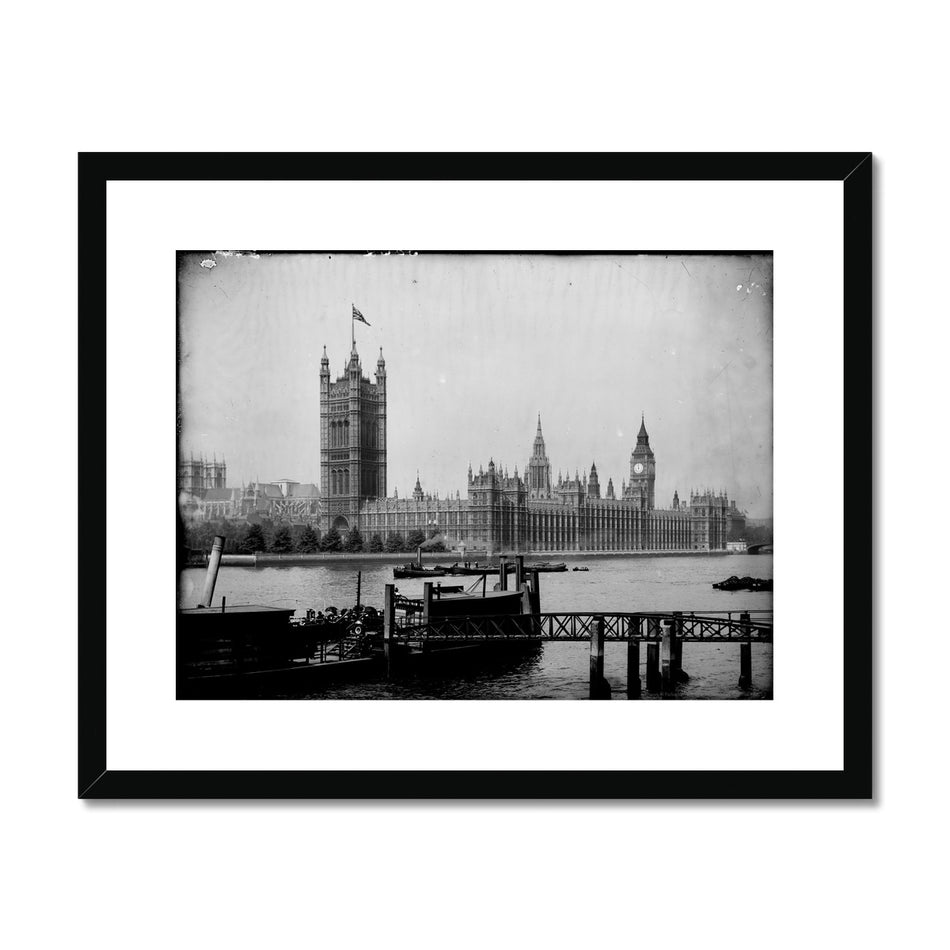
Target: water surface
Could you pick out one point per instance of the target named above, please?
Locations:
(558, 670)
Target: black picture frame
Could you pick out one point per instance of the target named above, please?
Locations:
(854, 781)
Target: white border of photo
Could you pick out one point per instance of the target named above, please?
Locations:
(801, 222)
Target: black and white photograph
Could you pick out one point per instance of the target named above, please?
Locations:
(453, 476)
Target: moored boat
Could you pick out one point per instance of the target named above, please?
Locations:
(222, 648)
(491, 603)
(734, 583)
(473, 569)
(415, 570)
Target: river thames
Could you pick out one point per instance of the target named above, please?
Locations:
(558, 670)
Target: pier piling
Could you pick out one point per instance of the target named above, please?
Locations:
(653, 655)
(503, 573)
(633, 658)
(527, 598)
(666, 657)
(745, 653)
(677, 657)
(426, 601)
(519, 571)
(653, 666)
(597, 690)
(389, 623)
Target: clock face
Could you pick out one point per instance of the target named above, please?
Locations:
(638, 468)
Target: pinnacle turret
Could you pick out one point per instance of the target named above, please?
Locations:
(538, 470)
(642, 437)
(593, 486)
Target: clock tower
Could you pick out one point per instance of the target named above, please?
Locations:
(643, 470)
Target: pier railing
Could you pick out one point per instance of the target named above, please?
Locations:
(730, 626)
(663, 634)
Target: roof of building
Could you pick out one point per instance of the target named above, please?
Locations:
(218, 494)
(303, 490)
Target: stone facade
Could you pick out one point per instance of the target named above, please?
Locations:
(196, 475)
(429, 514)
(507, 512)
(499, 512)
(352, 440)
(283, 502)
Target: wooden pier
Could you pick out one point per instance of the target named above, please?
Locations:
(664, 634)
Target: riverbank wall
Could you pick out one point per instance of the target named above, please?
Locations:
(443, 557)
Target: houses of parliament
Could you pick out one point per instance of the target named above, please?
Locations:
(531, 511)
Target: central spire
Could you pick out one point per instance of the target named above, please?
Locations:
(538, 441)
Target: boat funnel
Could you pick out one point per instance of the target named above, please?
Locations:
(214, 562)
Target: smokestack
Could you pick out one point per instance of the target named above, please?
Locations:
(214, 562)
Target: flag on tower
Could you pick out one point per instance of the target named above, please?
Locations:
(358, 316)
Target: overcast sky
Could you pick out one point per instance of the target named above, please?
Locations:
(475, 347)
